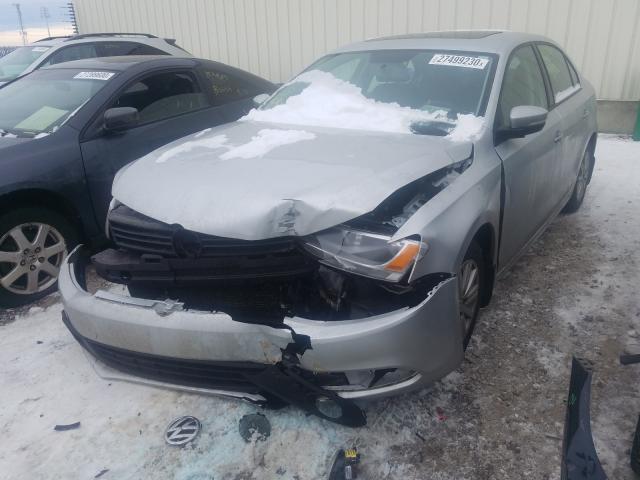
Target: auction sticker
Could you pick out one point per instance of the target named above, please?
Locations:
(459, 61)
(94, 75)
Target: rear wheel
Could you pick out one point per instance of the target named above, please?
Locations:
(33, 244)
(471, 284)
(581, 183)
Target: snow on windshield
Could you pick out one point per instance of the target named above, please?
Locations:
(330, 102)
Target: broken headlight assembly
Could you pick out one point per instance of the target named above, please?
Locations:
(365, 253)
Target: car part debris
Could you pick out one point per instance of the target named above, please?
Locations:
(579, 458)
(253, 427)
(64, 428)
(182, 430)
(635, 450)
(629, 359)
(345, 465)
(285, 382)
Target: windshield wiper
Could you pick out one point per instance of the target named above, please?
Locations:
(431, 127)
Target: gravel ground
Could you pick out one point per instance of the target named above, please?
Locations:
(500, 416)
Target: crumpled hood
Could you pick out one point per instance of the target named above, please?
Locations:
(255, 180)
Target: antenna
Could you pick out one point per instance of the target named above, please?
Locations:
(44, 13)
(71, 13)
(23, 34)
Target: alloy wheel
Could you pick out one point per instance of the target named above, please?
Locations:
(30, 258)
(469, 292)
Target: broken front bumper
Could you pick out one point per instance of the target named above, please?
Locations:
(162, 343)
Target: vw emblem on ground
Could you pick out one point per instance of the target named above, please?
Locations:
(182, 430)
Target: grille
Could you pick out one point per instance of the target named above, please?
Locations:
(190, 373)
(136, 232)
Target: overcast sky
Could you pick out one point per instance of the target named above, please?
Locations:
(34, 24)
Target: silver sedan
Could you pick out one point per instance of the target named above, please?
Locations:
(338, 242)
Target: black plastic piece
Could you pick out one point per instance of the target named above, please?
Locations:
(254, 426)
(635, 450)
(285, 382)
(629, 359)
(579, 458)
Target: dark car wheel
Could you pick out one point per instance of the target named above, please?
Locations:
(581, 183)
(33, 244)
(471, 284)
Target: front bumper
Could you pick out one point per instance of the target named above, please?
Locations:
(163, 343)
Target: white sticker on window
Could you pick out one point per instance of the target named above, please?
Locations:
(459, 61)
(94, 75)
(40, 49)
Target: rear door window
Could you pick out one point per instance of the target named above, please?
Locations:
(73, 52)
(118, 49)
(560, 76)
(163, 95)
(227, 87)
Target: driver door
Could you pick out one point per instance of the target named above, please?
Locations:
(530, 164)
(171, 104)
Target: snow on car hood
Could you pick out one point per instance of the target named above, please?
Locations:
(252, 180)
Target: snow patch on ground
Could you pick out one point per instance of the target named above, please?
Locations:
(331, 102)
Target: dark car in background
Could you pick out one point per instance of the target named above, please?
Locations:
(65, 131)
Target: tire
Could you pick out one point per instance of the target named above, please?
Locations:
(582, 180)
(33, 244)
(471, 292)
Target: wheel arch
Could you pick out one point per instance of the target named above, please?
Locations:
(41, 198)
(591, 147)
(485, 237)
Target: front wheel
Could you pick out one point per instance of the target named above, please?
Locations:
(33, 244)
(579, 189)
(471, 283)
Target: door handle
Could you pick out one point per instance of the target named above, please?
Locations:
(558, 137)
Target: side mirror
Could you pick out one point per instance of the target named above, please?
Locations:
(120, 118)
(260, 99)
(524, 120)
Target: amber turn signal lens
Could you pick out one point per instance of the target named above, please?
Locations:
(404, 258)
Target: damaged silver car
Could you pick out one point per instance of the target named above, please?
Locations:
(338, 242)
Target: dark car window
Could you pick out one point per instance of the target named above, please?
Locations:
(227, 88)
(74, 52)
(44, 100)
(558, 69)
(523, 84)
(118, 49)
(163, 95)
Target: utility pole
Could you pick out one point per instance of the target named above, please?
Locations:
(23, 34)
(44, 13)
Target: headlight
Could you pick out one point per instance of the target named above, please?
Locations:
(363, 253)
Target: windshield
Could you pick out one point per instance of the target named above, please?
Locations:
(16, 62)
(407, 91)
(42, 101)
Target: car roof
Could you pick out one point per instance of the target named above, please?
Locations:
(98, 37)
(123, 63)
(490, 41)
